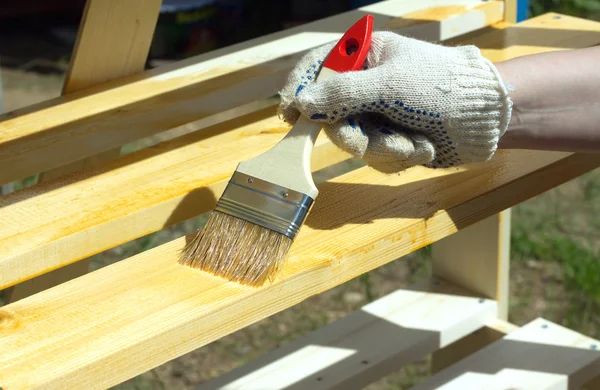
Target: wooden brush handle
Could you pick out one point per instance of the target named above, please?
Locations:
(287, 164)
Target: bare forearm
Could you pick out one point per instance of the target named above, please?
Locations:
(556, 100)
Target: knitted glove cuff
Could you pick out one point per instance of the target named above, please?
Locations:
(482, 108)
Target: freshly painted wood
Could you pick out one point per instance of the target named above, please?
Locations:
(173, 182)
(477, 258)
(113, 41)
(350, 353)
(131, 316)
(97, 119)
(83, 214)
(539, 355)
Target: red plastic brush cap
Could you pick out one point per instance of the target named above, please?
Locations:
(351, 51)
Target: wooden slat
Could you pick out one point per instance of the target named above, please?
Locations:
(135, 195)
(540, 355)
(175, 188)
(113, 41)
(351, 353)
(88, 122)
(129, 317)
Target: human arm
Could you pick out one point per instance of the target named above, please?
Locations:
(556, 101)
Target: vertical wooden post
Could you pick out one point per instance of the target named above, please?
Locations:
(476, 258)
(113, 41)
(515, 10)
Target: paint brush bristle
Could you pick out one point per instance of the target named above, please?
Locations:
(237, 250)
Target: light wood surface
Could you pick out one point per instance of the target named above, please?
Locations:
(140, 193)
(174, 181)
(124, 319)
(477, 258)
(113, 41)
(97, 119)
(382, 337)
(538, 356)
(510, 11)
(129, 317)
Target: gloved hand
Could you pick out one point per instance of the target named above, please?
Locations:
(416, 103)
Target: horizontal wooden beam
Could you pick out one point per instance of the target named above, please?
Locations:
(352, 352)
(538, 356)
(131, 316)
(135, 195)
(170, 182)
(94, 120)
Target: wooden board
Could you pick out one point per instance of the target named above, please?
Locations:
(174, 188)
(173, 181)
(539, 356)
(97, 119)
(382, 337)
(129, 317)
(113, 41)
(133, 196)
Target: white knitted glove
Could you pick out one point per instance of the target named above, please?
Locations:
(416, 103)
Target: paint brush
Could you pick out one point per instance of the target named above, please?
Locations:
(249, 233)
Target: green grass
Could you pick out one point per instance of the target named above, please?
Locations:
(560, 230)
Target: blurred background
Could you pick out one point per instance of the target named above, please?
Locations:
(555, 268)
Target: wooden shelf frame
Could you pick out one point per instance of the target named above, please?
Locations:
(102, 328)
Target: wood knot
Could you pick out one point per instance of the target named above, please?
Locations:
(8, 319)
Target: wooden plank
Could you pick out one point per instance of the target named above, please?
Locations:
(132, 196)
(182, 191)
(131, 316)
(100, 118)
(113, 41)
(477, 258)
(400, 328)
(539, 355)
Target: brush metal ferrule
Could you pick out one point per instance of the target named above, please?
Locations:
(265, 204)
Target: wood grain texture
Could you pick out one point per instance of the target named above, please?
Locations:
(83, 214)
(97, 119)
(129, 317)
(539, 355)
(165, 184)
(350, 353)
(113, 41)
